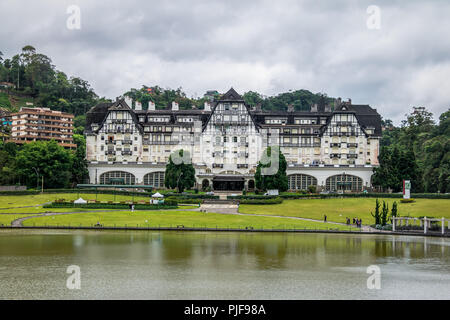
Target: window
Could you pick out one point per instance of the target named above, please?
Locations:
(117, 178)
(344, 182)
(155, 179)
(301, 181)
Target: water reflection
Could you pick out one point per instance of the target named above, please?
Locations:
(244, 265)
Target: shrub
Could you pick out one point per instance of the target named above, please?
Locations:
(261, 201)
(170, 205)
(407, 200)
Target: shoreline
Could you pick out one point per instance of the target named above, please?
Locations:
(414, 234)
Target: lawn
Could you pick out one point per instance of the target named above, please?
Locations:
(175, 218)
(338, 209)
(6, 219)
(32, 200)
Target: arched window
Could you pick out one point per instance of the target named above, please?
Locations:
(117, 177)
(301, 181)
(344, 182)
(154, 179)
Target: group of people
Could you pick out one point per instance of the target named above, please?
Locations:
(356, 221)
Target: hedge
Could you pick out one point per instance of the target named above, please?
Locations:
(247, 197)
(191, 196)
(345, 195)
(166, 206)
(261, 201)
(184, 200)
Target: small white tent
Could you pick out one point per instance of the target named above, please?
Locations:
(157, 195)
(80, 201)
(157, 198)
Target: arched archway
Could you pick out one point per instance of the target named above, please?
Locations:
(344, 182)
(251, 184)
(301, 181)
(155, 179)
(205, 184)
(117, 178)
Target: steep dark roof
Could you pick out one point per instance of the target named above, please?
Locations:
(96, 115)
(231, 95)
(366, 115)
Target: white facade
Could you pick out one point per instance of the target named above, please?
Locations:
(330, 149)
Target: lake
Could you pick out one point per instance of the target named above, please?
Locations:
(208, 265)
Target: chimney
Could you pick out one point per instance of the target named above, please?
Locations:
(349, 101)
(339, 102)
(328, 108)
(129, 101)
(290, 108)
(151, 105)
(175, 106)
(137, 106)
(207, 106)
(314, 108)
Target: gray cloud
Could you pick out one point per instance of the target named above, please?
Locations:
(266, 46)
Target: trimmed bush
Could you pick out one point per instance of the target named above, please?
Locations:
(261, 201)
(170, 205)
(407, 200)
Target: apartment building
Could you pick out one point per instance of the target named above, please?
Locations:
(42, 124)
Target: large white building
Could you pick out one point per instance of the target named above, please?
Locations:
(332, 149)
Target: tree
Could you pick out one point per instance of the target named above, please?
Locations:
(79, 168)
(394, 211)
(377, 214)
(252, 98)
(384, 214)
(44, 159)
(180, 172)
(278, 180)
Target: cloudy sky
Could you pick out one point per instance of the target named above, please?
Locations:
(336, 47)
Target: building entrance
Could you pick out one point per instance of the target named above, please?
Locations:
(228, 183)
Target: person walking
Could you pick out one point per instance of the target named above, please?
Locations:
(325, 218)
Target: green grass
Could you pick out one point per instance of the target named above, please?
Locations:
(6, 219)
(31, 200)
(175, 218)
(338, 209)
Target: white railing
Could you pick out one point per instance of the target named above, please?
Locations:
(423, 222)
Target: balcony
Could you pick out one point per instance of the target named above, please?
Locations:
(343, 123)
(110, 142)
(335, 145)
(127, 142)
(335, 155)
(242, 166)
(119, 121)
(127, 153)
(217, 165)
(110, 152)
(352, 145)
